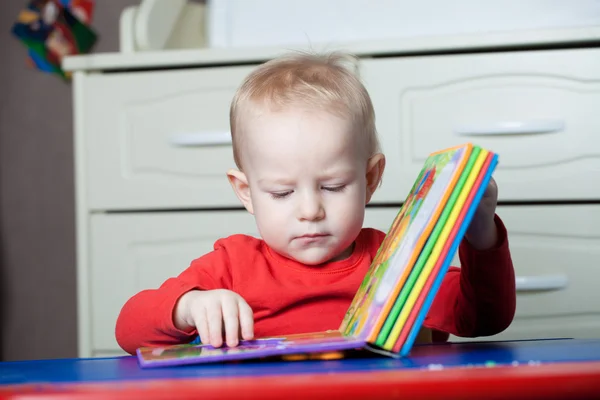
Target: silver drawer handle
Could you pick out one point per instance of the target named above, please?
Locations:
(200, 139)
(541, 283)
(511, 128)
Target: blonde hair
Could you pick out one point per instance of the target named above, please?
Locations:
(321, 81)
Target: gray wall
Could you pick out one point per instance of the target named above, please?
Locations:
(37, 221)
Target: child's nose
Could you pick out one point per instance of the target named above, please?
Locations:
(311, 208)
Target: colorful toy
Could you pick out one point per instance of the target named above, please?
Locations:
(53, 29)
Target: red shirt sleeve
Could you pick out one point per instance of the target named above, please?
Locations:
(146, 319)
(478, 299)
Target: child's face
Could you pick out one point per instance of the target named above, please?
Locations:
(307, 183)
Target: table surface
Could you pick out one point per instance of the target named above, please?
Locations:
(517, 361)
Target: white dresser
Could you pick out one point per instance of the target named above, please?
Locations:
(152, 148)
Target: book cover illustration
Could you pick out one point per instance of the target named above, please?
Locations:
(404, 242)
(390, 306)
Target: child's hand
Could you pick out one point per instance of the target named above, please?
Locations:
(212, 310)
(482, 232)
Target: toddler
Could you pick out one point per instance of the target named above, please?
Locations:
(308, 161)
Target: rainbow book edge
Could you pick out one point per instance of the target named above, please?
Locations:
(388, 310)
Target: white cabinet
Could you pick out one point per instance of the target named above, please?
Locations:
(153, 147)
(159, 139)
(539, 110)
(556, 253)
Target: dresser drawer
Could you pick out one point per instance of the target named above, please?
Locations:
(133, 252)
(555, 252)
(537, 109)
(554, 249)
(158, 139)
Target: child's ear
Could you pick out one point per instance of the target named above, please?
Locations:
(375, 167)
(239, 183)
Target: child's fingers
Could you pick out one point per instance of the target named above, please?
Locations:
(246, 319)
(492, 189)
(215, 320)
(231, 320)
(201, 321)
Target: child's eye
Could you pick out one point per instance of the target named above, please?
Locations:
(334, 188)
(281, 195)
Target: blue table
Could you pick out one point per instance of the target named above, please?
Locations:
(459, 358)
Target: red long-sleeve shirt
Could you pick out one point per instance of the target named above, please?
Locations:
(288, 297)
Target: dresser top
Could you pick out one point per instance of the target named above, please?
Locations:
(538, 39)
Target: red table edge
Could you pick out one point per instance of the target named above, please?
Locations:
(579, 380)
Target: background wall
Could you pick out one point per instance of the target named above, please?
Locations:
(37, 220)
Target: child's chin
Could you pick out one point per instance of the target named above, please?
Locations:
(312, 257)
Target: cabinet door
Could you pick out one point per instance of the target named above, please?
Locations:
(555, 252)
(537, 109)
(133, 252)
(158, 139)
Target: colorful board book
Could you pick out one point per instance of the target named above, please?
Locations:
(396, 294)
